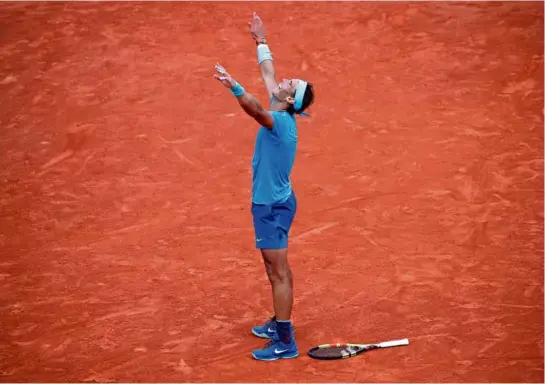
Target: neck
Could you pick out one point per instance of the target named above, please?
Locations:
(279, 105)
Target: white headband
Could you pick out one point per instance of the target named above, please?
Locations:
(299, 93)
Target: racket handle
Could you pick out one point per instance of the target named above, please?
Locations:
(394, 343)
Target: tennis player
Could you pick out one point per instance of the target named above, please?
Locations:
(273, 200)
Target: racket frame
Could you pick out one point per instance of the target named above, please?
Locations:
(350, 352)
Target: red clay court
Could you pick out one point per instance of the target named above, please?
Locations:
(126, 240)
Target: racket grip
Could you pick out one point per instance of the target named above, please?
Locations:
(394, 343)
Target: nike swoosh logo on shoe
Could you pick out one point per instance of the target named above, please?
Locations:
(271, 330)
(278, 352)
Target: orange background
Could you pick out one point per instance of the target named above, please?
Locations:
(126, 233)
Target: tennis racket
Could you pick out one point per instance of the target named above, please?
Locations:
(343, 351)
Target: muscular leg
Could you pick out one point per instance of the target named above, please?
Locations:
(279, 273)
(272, 225)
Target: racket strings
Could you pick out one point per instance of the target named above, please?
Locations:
(337, 351)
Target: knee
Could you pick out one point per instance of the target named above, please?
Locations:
(280, 274)
(278, 269)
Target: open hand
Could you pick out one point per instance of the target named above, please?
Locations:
(257, 29)
(224, 77)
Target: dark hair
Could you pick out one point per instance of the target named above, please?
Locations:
(308, 99)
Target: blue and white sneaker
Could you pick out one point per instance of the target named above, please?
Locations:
(275, 349)
(267, 330)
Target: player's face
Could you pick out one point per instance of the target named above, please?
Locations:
(286, 90)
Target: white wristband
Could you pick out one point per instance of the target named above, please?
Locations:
(263, 53)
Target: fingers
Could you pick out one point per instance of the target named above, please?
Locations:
(257, 19)
(222, 79)
(222, 74)
(220, 69)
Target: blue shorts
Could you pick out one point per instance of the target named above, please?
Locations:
(272, 223)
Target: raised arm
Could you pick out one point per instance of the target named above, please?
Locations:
(249, 104)
(264, 57)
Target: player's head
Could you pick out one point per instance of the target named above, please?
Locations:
(298, 94)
